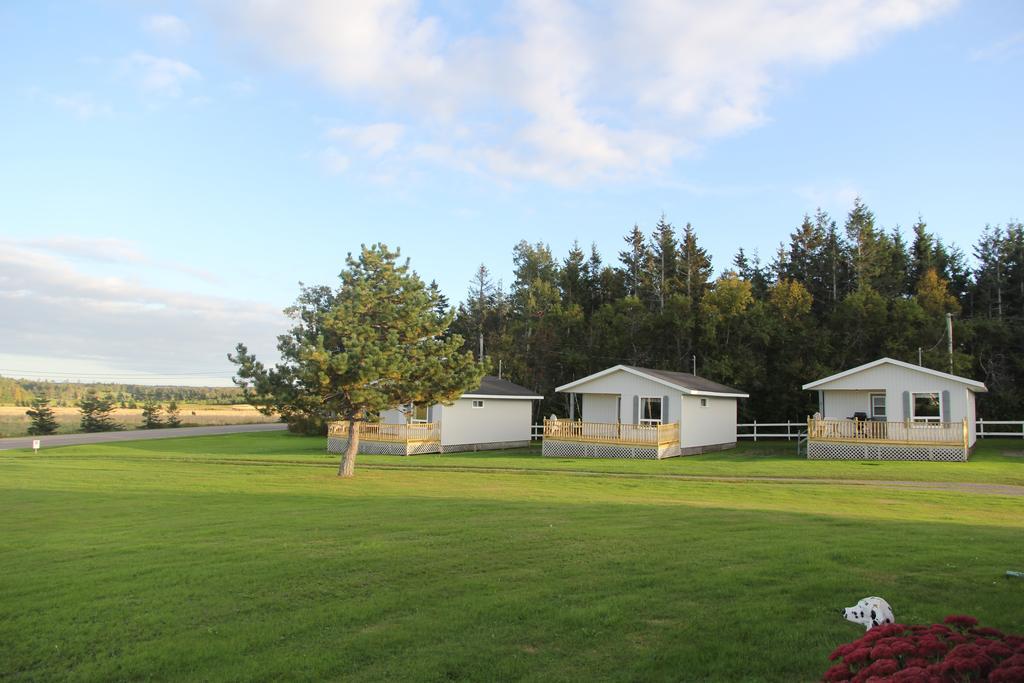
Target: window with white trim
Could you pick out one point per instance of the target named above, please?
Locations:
(650, 410)
(878, 406)
(703, 403)
(419, 414)
(926, 407)
(478, 403)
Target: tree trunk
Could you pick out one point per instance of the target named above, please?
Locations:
(347, 467)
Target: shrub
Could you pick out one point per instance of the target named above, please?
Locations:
(954, 651)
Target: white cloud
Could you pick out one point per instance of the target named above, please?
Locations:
(333, 161)
(565, 92)
(160, 75)
(374, 140)
(106, 250)
(53, 309)
(167, 27)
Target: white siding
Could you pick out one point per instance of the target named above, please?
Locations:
(843, 394)
(393, 417)
(707, 426)
(840, 405)
(628, 385)
(601, 408)
(499, 420)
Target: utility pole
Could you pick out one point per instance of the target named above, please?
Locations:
(949, 335)
(499, 368)
(694, 365)
(919, 363)
(481, 356)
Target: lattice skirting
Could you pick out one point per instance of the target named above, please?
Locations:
(827, 450)
(489, 446)
(369, 447)
(577, 449)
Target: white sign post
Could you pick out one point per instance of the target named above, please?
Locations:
(35, 445)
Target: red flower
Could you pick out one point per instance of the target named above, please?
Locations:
(994, 648)
(839, 672)
(902, 647)
(960, 621)
(1013, 674)
(861, 654)
(988, 632)
(842, 651)
(913, 662)
(883, 667)
(929, 646)
(915, 674)
(882, 652)
(1016, 660)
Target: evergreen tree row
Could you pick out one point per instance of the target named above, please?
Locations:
(831, 298)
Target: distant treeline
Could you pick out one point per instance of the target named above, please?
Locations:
(830, 298)
(20, 392)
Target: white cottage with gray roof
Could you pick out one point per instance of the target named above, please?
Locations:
(892, 410)
(632, 412)
(496, 415)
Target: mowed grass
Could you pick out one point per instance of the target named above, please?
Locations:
(14, 422)
(995, 461)
(217, 559)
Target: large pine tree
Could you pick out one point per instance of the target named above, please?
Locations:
(374, 343)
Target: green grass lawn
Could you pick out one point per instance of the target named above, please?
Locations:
(995, 461)
(231, 557)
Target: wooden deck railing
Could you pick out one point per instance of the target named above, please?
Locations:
(415, 432)
(869, 431)
(611, 432)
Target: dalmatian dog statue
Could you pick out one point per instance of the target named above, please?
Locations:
(870, 612)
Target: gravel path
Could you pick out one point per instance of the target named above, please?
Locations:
(134, 435)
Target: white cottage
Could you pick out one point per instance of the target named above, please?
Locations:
(892, 410)
(631, 412)
(496, 415)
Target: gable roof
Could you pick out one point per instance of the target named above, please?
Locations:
(681, 381)
(495, 387)
(971, 384)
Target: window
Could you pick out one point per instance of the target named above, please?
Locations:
(703, 403)
(650, 410)
(926, 407)
(878, 406)
(419, 413)
(478, 403)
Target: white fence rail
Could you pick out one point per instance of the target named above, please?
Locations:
(794, 430)
(1000, 428)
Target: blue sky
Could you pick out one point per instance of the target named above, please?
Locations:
(171, 170)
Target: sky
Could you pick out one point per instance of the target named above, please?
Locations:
(170, 171)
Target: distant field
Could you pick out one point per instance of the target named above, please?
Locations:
(14, 422)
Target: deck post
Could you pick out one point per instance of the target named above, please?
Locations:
(755, 431)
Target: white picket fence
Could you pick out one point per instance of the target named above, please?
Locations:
(794, 430)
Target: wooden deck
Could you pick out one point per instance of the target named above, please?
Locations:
(412, 433)
(611, 433)
(888, 433)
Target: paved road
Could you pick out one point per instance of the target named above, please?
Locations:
(134, 435)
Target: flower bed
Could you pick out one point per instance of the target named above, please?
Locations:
(957, 651)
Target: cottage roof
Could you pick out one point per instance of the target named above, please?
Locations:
(971, 384)
(496, 387)
(682, 381)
